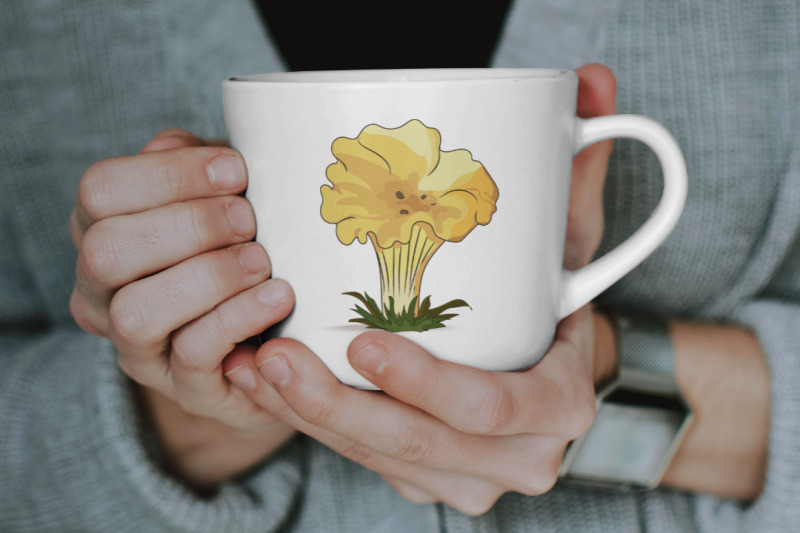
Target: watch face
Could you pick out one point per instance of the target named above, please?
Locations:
(628, 441)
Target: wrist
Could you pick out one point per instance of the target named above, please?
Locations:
(202, 451)
(641, 419)
(605, 349)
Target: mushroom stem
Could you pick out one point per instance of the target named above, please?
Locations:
(401, 267)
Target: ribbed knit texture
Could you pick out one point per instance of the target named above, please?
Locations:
(83, 81)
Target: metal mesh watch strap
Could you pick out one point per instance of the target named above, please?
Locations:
(643, 343)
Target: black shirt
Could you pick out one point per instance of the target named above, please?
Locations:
(372, 35)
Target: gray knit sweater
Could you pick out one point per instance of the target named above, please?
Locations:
(82, 81)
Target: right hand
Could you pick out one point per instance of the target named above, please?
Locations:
(167, 271)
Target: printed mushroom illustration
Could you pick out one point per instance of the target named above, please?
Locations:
(397, 189)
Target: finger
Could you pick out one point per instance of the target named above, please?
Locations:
(197, 346)
(375, 424)
(596, 97)
(131, 184)
(216, 142)
(76, 228)
(230, 405)
(410, 492)
(555, 397)
(369, 433)
(245, 315)
(597, 89)
(88, 315)
(121, 249)
(469, 495)
(171, 139)
(143, 314)
(419, 484)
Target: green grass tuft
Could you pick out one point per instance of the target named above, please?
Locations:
(372, 316)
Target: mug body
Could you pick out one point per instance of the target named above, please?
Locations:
(436, 198)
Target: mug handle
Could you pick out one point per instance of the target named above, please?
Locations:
(579, 287)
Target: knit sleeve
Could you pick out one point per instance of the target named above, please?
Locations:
(775, 323)
(73, 455)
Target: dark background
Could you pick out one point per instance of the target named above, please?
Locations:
(375, 35)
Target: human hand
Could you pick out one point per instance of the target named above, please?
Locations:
(439, 431)
(166, 271)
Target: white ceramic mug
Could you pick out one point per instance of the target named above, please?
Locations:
(432, 203)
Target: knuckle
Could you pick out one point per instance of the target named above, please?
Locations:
(174, 179)
(475, 501)
(357, 452)
(549, 478)
(169, 139)
(159, 144)
(203, 276)
(76, 309)
(539, 485)
(210, 275)
(534, 474)
(319, 413)
(214, 327)
(477, 507)
(144, 372)
(92, 194)
(205, 403)
(82, 316)
(415, 496)
(416, 392)
(128, 368)
(191, 405)
(243, 416)
(195, 223)
(173, 132)
(539, 482)
(128, 320)
(185, 355)
(76, 229)
(495, 412)
(98, 255)
(412, 447)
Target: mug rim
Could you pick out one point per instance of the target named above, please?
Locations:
(385, 77)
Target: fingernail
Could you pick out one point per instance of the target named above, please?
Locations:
(225, 171)
(272, 293)
(276, 370)
(372, 358)
(241, 217)
(253, 258)
(242, 377)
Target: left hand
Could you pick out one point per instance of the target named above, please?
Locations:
(444, 432)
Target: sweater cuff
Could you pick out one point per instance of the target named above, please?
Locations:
(775, 324)
(81, 426)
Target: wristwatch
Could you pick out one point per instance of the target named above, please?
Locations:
(641, 416)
